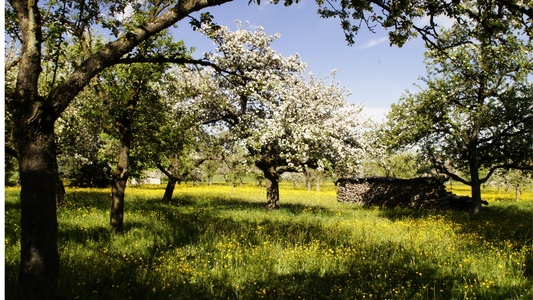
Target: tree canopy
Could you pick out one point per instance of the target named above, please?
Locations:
(45, 81)
(286, 118)
(407, 19)
(476, 111)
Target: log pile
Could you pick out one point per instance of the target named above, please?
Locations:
(419, 193)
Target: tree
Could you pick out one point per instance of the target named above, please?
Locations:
(80, 155)
(286, 118)
(34, 112)
(517, 179)
(389, 163)
(181, 143)
(47, 29)
(258, 175)
(210, 169)
(235, 158)
(410, 18)
(476, 112)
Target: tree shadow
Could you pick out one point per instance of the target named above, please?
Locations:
(244, 204)
(108, 276)
(354, 277)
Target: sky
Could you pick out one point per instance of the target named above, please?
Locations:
(376, 73)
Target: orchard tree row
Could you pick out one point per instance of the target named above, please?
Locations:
(141, 98)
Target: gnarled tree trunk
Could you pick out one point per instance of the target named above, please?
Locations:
(169, 190)
(34, 118)
(272, 187)
(39, 267)
(173, 177)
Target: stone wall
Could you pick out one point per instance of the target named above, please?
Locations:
(418, 193)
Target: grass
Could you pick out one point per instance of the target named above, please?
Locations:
(207, 244)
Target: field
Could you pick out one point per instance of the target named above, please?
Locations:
(208, 244)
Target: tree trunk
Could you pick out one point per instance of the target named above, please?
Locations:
(173, 176)
(34, 137)
(120, 176)
(475, 184)
(60, 187)
(272, 187)
(39, 257)
(517, 191)
(317, 184)
(167, 197)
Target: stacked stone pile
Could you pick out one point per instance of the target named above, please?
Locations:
(418, 193)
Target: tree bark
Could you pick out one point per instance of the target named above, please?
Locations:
(120, 178)
(475, 182)
(173, 177)
(36, 153)
(39, 267)
(169, 190)
(272, 187)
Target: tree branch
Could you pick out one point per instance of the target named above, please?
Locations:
(162, 169)
(113, 51)
(177, 60)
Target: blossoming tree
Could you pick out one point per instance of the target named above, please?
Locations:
(286, 117)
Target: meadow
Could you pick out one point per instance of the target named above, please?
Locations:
(209, 244)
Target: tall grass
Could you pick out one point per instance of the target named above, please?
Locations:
(207, 244)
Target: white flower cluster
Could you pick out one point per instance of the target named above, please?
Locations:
(274, 104)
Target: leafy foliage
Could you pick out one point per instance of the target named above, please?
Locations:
(476, 112)
(408, 19)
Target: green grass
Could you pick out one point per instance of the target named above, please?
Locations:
(208, 244)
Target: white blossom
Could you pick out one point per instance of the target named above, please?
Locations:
(275, 100)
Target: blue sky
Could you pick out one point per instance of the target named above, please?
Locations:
(376, 73)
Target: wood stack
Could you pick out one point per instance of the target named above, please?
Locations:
(419, 193)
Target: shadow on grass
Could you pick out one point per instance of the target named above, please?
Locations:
(107, 277)
(175, 225)
(243, 204)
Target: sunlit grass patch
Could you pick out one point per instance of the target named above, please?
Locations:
(210, 244)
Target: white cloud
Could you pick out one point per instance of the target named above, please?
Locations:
(373, 42)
